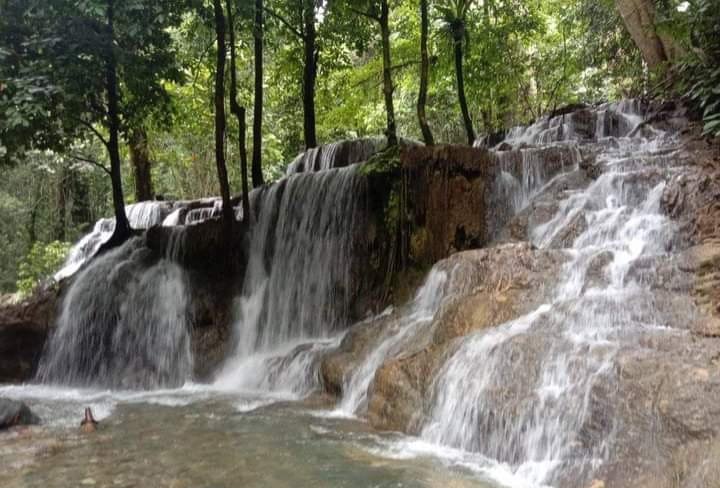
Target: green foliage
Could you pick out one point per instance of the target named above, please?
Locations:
(699, 71)
(385, 161)
(53, 65)
(41, 262)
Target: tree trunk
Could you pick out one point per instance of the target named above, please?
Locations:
(239, 113)
(227, 210)
(140, 159)
(257, 176)
(309, 73)
(387, 73)
(80, 212)
(61, 202)
(424, 66)
(458, 40)
(122, 226)
(639, 19)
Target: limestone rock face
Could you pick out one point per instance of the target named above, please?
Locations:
(448, 196)
(488, 287)
(24, 328)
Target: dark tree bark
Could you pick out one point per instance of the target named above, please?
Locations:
(140, 159)
(311, 54)
(239, 113)
(467, 121)
(424, 67)
(305, 30)
(80, 212)
(655, 46)
(61, 202)
(122, 226)
(387, 73)
(257, 176)
(227, 210)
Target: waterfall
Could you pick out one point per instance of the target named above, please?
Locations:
(616, 119)
(336, 155)
(298, 285)
(420, 313)
(525, 172)
(123, 324)
(519, 393)
(141, 215)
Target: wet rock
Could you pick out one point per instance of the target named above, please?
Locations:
(584, 122)
(14, 413)
(590, 166)
(24, 327)
(692, 197)
(336, 365)
(448, 194)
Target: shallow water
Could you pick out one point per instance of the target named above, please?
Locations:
(195, 437)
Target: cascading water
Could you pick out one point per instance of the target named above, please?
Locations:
(123, 324)
(524, 172)
(419, 314)
(336, 154)
(519, 394)
(141, 215)
(298, 285)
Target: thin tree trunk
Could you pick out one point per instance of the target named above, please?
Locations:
(257, 176)
(140, 159)
(227, 210)
(309, 73)
(122, 226)
(424, 67)
(461, 90)
(239, 113)
(80, 199)
(387, 73)
(61, 201)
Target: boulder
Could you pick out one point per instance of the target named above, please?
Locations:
(14, 413)
(24, 328)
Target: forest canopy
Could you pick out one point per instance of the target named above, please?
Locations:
(108, 102)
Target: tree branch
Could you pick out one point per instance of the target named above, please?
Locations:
(287, 24)
(93, 129)
(90, 161)
(368, 15)
(403, 65)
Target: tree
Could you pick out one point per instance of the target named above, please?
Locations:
(303, 27)
(239, 113)
(424, 66)
(639, 19)
(93, 67)
(454, 14)
(381, 15)
(140, 160)
(219, 98)
(257, 175)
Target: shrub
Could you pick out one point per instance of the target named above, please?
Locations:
(42, 261)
